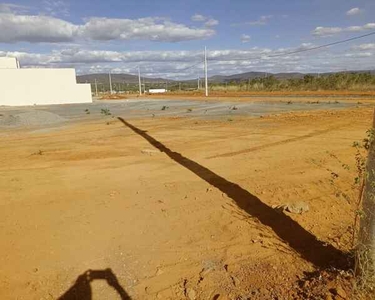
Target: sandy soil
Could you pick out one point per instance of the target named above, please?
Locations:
(177, 208)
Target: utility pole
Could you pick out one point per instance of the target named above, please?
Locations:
(198, 83)
(205, 70)
(166, 86)
(179, 86)
(139, 81)
(96, 88)
(110, 82)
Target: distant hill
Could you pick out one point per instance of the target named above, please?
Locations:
(133, 79)
(116, 78)
(253, 75)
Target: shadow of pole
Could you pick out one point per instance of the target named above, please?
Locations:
(306, 244)
(81, 290)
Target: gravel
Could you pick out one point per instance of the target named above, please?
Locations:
(31, 118)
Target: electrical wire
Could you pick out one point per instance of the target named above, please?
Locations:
(301, 50)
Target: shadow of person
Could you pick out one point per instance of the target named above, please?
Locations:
(288, 230)
(81, 290)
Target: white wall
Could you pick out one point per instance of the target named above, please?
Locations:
(8, 63)
(41, 86)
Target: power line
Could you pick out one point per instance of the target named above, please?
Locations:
(184, 69)
(302, 50)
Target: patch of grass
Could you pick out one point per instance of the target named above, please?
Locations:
(189, 110)
(87, 111)
(164, 107)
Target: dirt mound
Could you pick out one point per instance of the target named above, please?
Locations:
(327, 284)
(32, 118)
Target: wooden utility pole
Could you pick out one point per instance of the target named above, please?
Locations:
(96, 88)
(205, 70)
(139, 81)
(110, 82)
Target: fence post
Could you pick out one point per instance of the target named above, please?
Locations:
(365, 252)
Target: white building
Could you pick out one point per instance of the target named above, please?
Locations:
(157, 91)
(39, 86)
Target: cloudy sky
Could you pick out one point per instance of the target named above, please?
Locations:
(167, 37)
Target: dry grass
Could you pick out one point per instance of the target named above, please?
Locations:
(112, 97)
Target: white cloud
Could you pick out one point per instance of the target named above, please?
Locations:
(370, 46)
(263, 20)
(198, 18)
(330, 31)
(354, 11)
(34, 29)
(326, 31)
(153, 29)
(169, 63)
(211, 23)
(245, 38)
(56, 7)
(208, 21)
(9, 8)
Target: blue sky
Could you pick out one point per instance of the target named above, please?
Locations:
(165, 37)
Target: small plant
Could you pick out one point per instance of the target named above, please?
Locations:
(87, 111)
(105, 111)
(164, 107)
(39, 152)
(289, 102)
(230, 120)
(189, 110)
(234, 108)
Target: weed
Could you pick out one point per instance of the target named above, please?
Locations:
(105, 111)
(87, 111)
(189, 110)
(39, 152)
(164, 107)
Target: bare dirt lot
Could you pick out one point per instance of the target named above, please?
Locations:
(178, 207)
